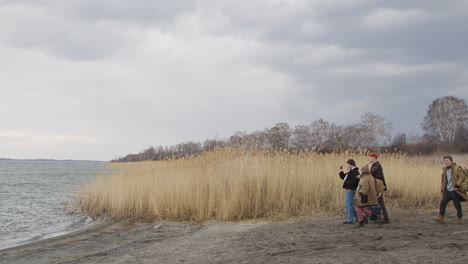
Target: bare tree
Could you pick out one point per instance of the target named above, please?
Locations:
(462, 134)
(148, 154)
(320, 134)
(278, 136)
(335, 142)
(376, 130)
(189, 148)
(237, 138)
(301, 137)
(445, 117)
(310, 136)
(212, 144)
(258, 139)
(354, 137)
(324, 136)
(399, 139)
(414, 139)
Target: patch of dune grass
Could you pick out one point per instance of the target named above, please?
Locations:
(233, 184)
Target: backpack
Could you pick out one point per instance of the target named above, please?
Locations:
(380, 187)
(464, 185)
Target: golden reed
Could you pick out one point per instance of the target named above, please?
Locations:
(234, 184)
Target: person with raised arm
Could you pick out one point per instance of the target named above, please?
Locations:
(350, 184)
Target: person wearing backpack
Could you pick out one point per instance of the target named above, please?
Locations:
(377, 171)
(367, 195)
(464, 185)
(377, 210)
(453, 177)
(350, 183)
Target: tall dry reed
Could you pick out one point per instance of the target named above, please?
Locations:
(232, 184)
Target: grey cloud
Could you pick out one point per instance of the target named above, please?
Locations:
(440, 37)
(92, 11)
(148, 11)
(437, 38)
(83, 30)
(186, 70)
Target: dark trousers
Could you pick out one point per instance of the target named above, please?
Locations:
(448, 196)
(382, 205)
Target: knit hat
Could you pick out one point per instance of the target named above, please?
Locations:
(373, 154)
(449, 157)
(351, 162)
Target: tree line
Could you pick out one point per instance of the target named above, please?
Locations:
(445, 128)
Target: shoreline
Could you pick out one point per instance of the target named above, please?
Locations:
(59, 235)
(412, 237)
(73, 228)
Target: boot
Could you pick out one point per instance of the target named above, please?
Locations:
(458, 221)
(361, 224)
(439, 219)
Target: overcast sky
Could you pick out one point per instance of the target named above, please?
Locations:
(98, 79)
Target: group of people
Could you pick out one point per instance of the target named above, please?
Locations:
(370, 186)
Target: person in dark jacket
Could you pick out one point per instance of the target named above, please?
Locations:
(350, 183)
(377, 172)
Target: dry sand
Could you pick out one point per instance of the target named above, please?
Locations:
(410, 238)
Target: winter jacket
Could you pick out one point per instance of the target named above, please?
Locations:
(351, 180)
(377, 172)
(458, 175)
(367, 187)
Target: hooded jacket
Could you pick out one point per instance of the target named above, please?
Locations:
(367, 187)
(351, 180)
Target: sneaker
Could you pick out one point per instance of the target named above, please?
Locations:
(439, 219)
(458, 221)
(346, 222)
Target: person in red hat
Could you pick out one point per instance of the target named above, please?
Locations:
(377, 172)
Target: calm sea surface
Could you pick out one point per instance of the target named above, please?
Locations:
(33, 195)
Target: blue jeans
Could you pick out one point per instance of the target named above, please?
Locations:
(349, 205)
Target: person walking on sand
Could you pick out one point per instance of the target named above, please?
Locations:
(377, 171)
(367, 195)
(452, 177)
(350, 183)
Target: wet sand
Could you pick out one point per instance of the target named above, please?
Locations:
(410, 238)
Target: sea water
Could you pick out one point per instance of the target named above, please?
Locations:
(33, 198)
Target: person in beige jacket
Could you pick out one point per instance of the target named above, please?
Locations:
(367, 195)
(452, 177)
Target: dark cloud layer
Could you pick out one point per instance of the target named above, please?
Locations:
(188, 65)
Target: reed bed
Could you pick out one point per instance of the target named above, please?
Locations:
(233, 184)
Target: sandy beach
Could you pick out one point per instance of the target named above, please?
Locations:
(410, 238)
